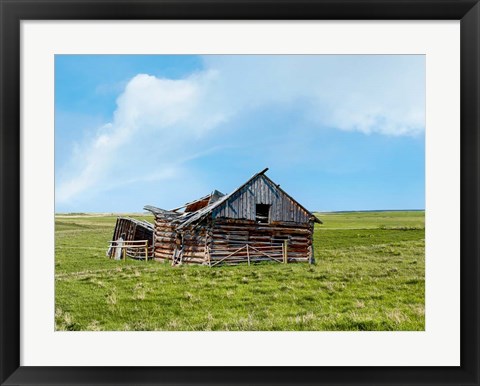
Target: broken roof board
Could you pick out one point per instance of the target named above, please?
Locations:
(209, 198)
(143, 223)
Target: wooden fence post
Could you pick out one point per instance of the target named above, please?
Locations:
(248, 256)
(146, 251)
(285, 253)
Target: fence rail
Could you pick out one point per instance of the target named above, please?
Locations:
(248, 253)
(131, 248)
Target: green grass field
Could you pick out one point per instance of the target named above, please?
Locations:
(369, 275)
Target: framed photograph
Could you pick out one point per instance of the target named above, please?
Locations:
(240, 193)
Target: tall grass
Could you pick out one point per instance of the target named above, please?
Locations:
(369, 275)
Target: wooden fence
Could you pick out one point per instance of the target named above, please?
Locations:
(247, 253)
(136, 249)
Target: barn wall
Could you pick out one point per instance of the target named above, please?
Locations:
(124, 225)
(133, 230)
(213, 240)
(194, 243)
(228, 234)
(262, 191)
(165, 238)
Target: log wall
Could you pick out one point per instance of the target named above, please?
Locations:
(228, 234)
(165, 240)
(194, 245)
(212, 240)
(190, 243)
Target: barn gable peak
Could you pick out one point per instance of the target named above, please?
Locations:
(257, 179)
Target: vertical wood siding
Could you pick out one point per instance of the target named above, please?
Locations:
(242, 205)
(133, 230)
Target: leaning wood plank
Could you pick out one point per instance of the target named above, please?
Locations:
(226, 257)
(267, 255)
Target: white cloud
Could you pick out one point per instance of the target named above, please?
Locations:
(366, 93)
(159, 123)
(154, 120)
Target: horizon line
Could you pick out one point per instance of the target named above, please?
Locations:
(313, 211)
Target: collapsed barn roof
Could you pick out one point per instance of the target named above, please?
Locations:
(200, 203)
(197, 210)
(142, 223)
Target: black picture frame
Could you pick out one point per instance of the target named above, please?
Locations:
(13, 11)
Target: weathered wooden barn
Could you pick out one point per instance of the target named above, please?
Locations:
(131, 231)
(257, 221)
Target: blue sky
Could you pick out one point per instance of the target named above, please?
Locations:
(338, 132)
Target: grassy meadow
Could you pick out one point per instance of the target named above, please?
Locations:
(369, 275)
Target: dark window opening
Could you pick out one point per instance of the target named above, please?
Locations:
(262, 213)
